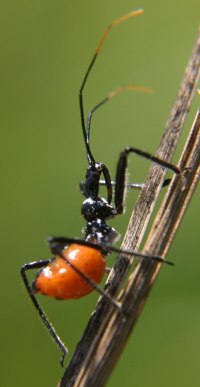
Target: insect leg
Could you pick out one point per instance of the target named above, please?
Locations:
(120, 184)
(46, 322)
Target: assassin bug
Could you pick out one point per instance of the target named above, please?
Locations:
(78, 265)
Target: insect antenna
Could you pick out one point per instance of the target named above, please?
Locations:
(90, 156)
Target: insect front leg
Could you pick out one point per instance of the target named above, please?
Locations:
(120, 181)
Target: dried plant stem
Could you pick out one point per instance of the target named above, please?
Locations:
(108, 330)
(134, 295)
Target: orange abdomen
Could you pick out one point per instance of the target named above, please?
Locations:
(61, 281)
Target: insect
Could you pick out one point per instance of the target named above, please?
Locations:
(78, 265)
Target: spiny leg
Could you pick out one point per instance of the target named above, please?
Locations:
(46, 322)
(58, 243)
(120, 184)
(134, 185)
(138, 254)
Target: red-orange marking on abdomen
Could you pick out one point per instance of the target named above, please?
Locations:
(59, 280)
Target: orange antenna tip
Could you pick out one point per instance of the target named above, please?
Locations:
(127, 16)
(114, 23)
(131, 88)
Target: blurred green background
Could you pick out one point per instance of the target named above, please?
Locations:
(46, 47)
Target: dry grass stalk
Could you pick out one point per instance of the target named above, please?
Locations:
(108, 330)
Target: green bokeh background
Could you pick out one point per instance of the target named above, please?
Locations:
(46, 47)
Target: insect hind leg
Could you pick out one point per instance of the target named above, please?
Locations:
(40, 311)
